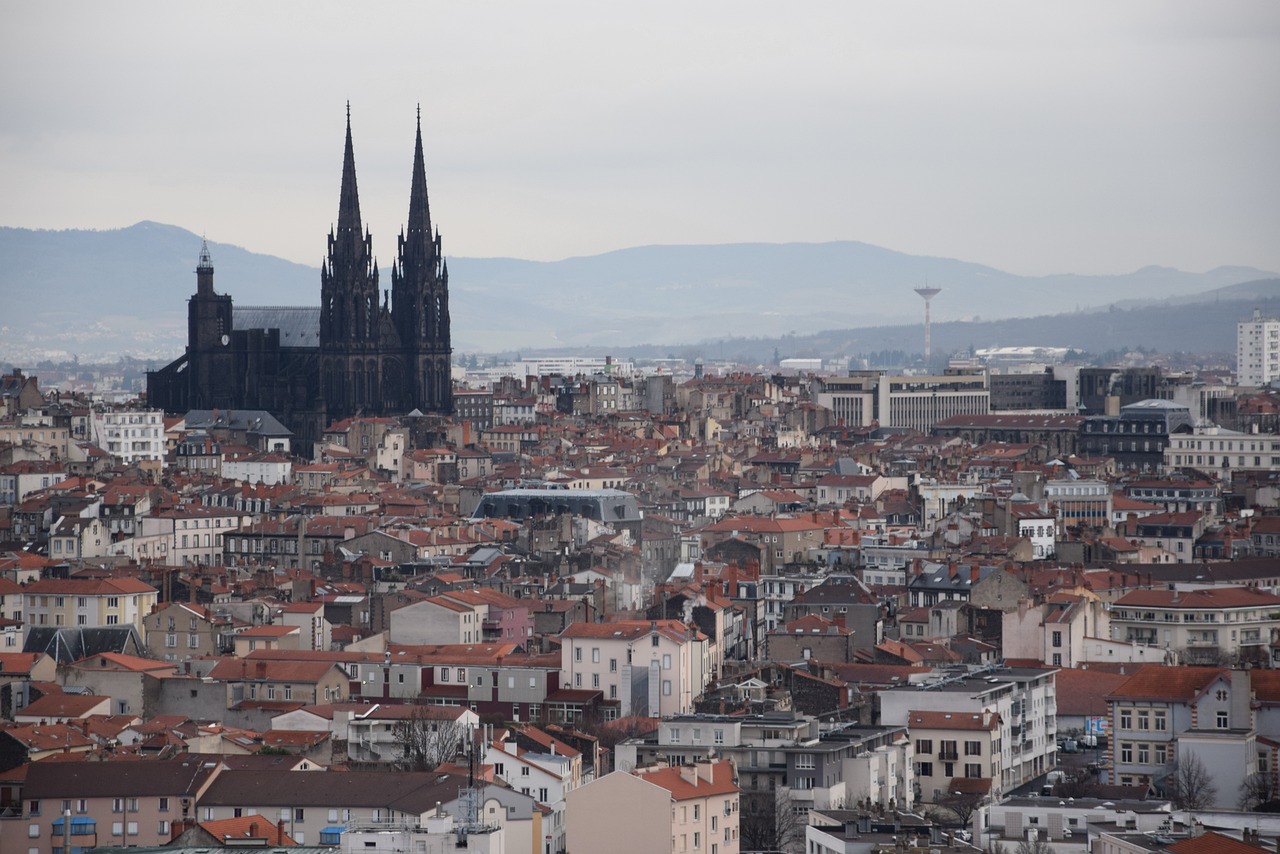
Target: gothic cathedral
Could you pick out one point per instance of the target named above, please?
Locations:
(357, 355)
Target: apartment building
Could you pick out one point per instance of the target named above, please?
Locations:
(1223, 451)
(1023, 699)
(87, 603)
(956, 745)
(1225, 718)
(686, 808)
(107, 804)
(1211, 626)
(1257, 350)
(130, 436)
(655, 668)
(815, 765)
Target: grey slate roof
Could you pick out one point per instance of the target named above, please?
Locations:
(408, 792)
(257, 421)
(299, 325)
(68, 644)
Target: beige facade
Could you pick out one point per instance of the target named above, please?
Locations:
(87, 603)
(178, 631)
(648, 668)
(638, 816)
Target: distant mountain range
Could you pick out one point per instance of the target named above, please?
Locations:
(94, 293)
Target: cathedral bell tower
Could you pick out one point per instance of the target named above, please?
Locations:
(420, 301)
(350, 313)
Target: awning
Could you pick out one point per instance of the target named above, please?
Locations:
(334, 829)
(78, 825)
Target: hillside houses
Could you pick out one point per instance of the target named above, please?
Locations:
(718, 570)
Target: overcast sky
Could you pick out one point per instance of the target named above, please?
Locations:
(1087, 137)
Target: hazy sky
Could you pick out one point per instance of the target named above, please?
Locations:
(1089, 137)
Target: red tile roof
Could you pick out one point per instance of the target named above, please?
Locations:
(1158, 682)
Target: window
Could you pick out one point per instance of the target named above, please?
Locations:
(1144, 719)
(924, 769)
(444, 674)
(1144, 753)
(595, 655)
(666, 687)
(33, 808)
(924, 746)
(577, 653)
(1057, 638)
(164, 805)
(804, 761)
(654, 639)
(1126, 719)
(1223, 720)
(1126, 751)
(972, 770)
(1162, 720)
(973, 748)
(613, 665)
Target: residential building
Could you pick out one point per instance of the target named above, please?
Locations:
(1257, 351)
(87, 603)
(129, 435)
(107, 803)
(1225, 718)
(686, 808)
(1023, 699)
(1211, 626)
(316, 809)
(655, 668)
(956, 745)
(1223, 451)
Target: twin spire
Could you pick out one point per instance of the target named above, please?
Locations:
(349, 225)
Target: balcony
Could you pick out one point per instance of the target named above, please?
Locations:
(1202, 642)
(949, 754)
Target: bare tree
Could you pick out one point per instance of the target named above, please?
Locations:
(1029, 846)
(424, 741)
(1078, 782)
(1259, 792)
(1191, 787)
(961, 806)
(767, 821)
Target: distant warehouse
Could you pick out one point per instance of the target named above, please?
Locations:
(612, 507)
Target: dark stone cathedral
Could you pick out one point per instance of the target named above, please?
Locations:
(357, 354)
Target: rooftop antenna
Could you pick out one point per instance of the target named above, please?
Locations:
(927, 294)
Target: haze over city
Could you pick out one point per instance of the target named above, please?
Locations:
(1085, 138)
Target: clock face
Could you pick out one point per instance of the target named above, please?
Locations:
(226, 339)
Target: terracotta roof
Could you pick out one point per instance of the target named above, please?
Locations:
(1216, 597)
(63, 706)
(671, 779)
(954, 720)
(247, 827)
(1084, 692)
(88, 587)
(1213, 843)
(1156, 681)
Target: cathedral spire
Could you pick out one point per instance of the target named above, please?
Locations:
(349, 201)
(419, 207)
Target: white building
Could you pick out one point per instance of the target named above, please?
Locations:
(656, 669)
(914, 402)
(1024, 698)
(1223, 451)
(130, 435)
(1257, 351)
